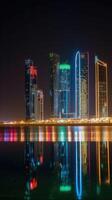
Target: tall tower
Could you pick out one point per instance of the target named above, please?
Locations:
(30, 89)
(81, 84)
(101, 88)
(54, 63)
(40, 105)
(62, 92)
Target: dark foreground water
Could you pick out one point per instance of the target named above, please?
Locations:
(56, 163)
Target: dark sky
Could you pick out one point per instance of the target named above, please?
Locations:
(34, 28)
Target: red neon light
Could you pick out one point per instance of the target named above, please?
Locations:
(33, 71)
(33, 184)
(41, 159)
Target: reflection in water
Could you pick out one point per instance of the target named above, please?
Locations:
(50, 134)
(81, 156)
(64, 167)
(33, 158)
(78, 165)
(30, 169)
(103, 161)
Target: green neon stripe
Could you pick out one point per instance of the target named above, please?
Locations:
(64, 66)
(65, 188)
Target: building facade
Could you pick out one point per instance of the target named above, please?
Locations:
(59, 87)
(30, 89)
(54, 60)
(40, 105)
(62, 92)
(81, 95)
(101, 88)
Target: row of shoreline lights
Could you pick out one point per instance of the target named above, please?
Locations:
(59, 121)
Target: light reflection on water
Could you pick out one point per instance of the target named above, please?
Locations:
(77, 159)
(53, 134)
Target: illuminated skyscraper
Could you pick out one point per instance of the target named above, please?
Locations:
(62, 92)
(59, 87)
(81, 85)
(40, 105)
(54, 61)
(101, 88)
(30, 89)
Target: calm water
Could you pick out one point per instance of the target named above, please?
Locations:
(56, 163)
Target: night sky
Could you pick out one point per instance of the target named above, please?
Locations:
(32, 29)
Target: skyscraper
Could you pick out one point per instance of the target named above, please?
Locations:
(54, 60)
(30, 89)
(81, 95)
(62, 92)
(59, 87)
(40, 105)
(101, 88)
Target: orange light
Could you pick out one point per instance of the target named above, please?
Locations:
(69, 134)
(53, 134)
(48, 134)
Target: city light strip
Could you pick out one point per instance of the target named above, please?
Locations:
(56, 133)
(104, 121)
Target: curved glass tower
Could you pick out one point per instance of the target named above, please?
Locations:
(81, 84)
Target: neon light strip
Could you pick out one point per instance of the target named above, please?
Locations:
(77, 105)
(78, 175)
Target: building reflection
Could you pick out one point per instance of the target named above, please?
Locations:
(81, 155)
(103, 162)
(62, 160)
(78, 164)
(30, 163)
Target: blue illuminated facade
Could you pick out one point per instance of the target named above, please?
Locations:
(81, 76)
(62, 91)
(59, 87)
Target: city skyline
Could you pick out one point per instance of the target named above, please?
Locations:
(33, 29)
(68, 84)
(56, 99)
(61, 88)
